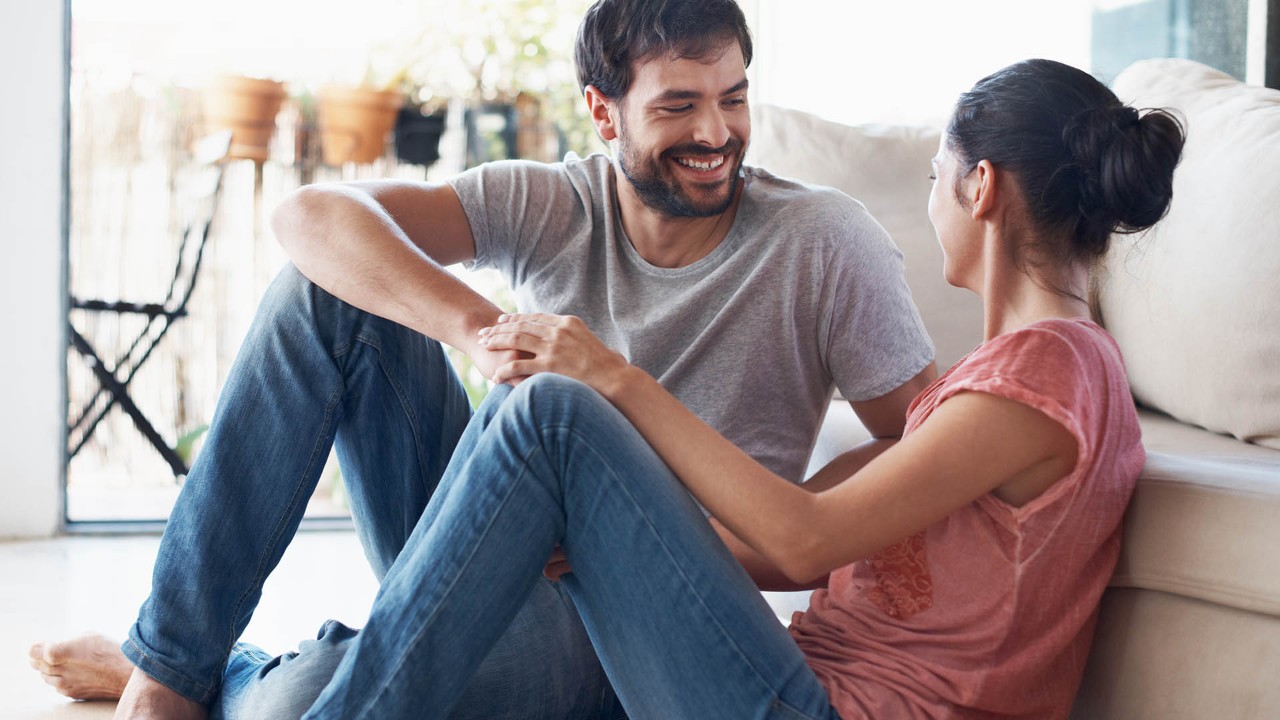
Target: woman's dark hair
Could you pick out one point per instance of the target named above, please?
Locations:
(615, 34)
(1088, 165)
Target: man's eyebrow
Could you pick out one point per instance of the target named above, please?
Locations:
(674, 95)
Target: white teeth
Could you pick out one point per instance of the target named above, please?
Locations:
(701, 165)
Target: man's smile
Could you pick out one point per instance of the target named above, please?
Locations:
(706, 164)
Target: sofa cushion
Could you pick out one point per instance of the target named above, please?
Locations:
(1157, 655)
(1205, 527)
(887, 169)
(1163, 434)
(1194, 302)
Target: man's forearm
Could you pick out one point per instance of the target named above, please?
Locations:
(341, 239)
(844, 465)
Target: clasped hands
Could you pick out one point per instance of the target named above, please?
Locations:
(559, 344)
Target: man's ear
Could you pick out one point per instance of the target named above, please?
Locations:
(982, 189)
(601, 110)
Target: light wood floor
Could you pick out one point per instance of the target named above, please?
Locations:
(58, 588)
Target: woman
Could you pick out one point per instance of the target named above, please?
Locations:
(963, 566)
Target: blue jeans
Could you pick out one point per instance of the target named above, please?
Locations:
(679, 626)
(315, 371)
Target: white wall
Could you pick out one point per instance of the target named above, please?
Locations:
(31, 248)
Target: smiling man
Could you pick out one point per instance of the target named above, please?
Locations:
(747, 296)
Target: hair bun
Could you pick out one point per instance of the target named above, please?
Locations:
(1125, 161)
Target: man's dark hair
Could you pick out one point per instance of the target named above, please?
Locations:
(616, 34)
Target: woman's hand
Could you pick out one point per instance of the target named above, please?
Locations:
(554, 343)
(558, 566)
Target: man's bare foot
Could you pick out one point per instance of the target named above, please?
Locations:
(89, 667)
(146, 699)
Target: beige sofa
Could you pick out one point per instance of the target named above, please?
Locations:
(1190, 627)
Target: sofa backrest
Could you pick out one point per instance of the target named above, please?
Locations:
(887, 169)
(1195, 302)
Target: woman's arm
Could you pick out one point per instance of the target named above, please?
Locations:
(972, 444)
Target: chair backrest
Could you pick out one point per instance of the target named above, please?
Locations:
(200, 192)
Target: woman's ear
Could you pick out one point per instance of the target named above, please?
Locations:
(982, 189)
(601, 111)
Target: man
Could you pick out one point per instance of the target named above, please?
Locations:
(747, 296)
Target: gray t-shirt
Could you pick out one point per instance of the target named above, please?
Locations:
(806, 292)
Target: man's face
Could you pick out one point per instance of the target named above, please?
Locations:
(683, 130)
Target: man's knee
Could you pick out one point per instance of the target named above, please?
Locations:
(289, 290)
(548, 393)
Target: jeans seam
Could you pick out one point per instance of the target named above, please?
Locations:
(374, 342)
(524, 461)
(278, 531)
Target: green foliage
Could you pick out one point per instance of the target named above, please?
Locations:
(186, 445)
(486, 50)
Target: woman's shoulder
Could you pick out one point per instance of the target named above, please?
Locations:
(1069, 364)
(1054, 345)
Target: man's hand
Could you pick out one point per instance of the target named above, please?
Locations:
(488, 361)
(553, 343)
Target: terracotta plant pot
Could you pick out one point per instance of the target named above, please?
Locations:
(247, 107)
(354, 123)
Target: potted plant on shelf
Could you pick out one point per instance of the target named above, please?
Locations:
(247, 106)
(354, 121)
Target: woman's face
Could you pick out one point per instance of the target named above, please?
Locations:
(953, 222)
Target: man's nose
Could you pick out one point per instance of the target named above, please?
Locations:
(710, 128)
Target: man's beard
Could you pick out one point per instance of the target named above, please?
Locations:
(659, 189)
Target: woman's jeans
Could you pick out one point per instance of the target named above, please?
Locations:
(314, 371)
(679, 627)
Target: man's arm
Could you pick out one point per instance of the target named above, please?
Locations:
(885, 418)
(382, 246)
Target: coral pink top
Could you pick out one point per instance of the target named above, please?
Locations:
(990, 612)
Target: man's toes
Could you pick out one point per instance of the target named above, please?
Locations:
(57, 653)
(39, 653)
(57, 682)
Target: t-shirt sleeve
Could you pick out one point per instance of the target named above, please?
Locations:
(875, 339)
(514, 207)
(1041, 367)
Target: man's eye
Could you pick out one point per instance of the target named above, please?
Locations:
(677, 108)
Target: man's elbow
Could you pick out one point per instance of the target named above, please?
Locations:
(301, 209)
(290, 216)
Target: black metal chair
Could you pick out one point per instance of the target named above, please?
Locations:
(114, 378)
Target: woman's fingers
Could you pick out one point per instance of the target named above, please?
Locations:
(508, 340)
(558, 565)
(537, 318)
